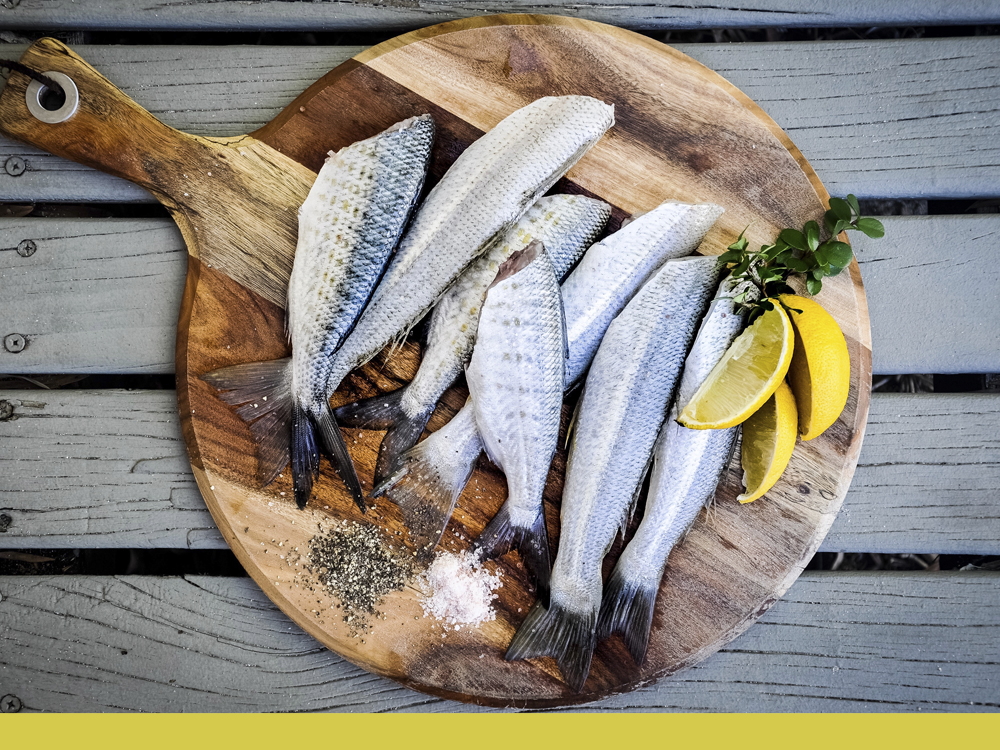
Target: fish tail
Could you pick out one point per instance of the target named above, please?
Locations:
(428, 479)
(556, 631)
(386, 412)
(627, 608)
(503, 534)
(336, 450)
(262, 393)
(305, 456)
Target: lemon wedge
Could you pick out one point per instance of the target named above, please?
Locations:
(820, 373)
(747, 375)
(768, 441)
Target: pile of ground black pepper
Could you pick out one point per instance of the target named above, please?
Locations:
(356, 565)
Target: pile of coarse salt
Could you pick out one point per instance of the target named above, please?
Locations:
(459, 590)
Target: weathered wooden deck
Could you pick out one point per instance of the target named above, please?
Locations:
(897, 118)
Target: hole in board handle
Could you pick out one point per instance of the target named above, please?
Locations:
(51, 106)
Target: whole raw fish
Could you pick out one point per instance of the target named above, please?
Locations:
(687, 465)
(623, 404)
(566, 225)
(515, 381)
(348, 226)
(430, 476)
(481, 196)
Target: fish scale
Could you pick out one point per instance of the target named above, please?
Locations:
(687, 465)
(623, 404)
(515, 381)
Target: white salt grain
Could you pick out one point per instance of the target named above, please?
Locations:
(459, 590)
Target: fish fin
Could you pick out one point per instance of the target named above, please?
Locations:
(386, 412)
(627, 608)
(517, 261)
(502, 534)
(573, 418)
(427, 482)
(305, 456)
(399, 438)
(336, 451)
(555, 631)
(375, 413)
(636, 494)
(263, 393)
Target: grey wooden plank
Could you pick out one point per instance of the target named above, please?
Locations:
(109, 469)
(102, 296)
(900, 118)
(202, 15)
(933, 289)
(834, 642)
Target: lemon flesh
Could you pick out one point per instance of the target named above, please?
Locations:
(747, 375)
(768, 441)
(820, 373)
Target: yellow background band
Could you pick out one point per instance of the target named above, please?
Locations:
(484, 732)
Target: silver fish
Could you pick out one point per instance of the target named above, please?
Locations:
(430, 476)
(515, 381)
(566, 225)
(623, 405)
(348, 226)
(687, 465)
(481, 196)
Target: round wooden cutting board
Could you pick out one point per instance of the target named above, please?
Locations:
(682, 132)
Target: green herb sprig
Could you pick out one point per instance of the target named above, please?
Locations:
(801, 252)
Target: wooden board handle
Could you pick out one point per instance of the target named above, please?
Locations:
(108, 130)
(234, 199)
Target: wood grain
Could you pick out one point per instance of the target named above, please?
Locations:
(108, 469)
(102, 295)
(274, 15)
(900, 642)
(682, 133)
(885, 118)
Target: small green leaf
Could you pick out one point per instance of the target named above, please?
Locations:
(812, 234)
(767, 304)
(817, 273)
(798, 265)
(795, 238)
(821, 256)
(814, 286)
(773, 251)
(730, 256)
(741, 267)
(841, 226)
(834, 270)
(853, 203)
(838, 253)
(829, 221)
(841, 208)
(872, 227)
(783, 288)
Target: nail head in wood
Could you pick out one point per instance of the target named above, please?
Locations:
(5, 522)
(15, 343)
(10, 704)
(14, 166)
(26, 248)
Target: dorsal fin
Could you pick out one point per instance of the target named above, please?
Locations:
(517, 261)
